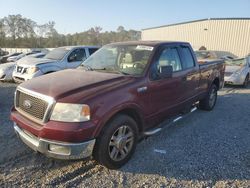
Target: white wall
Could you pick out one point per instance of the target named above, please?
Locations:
(231, 35)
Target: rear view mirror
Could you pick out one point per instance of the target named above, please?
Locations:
(166, 71)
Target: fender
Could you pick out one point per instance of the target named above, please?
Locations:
(115, 110)
(49, 68)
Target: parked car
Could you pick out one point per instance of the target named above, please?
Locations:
(123, 92)
(38, 55)
(15, 57)
(56, 60)
(210, 54)
(4, 58)
(3, 53)
(237, 72)
(6, 69)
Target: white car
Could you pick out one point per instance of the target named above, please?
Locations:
(67, 57)
(237, 72)
(15, 58)
(6, 69)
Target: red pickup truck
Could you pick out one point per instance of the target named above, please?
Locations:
(119, 95)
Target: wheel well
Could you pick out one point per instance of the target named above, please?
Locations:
(133, 114)
(49, 72)
(217, 82)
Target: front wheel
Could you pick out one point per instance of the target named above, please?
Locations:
(117, 142)
(209, 101)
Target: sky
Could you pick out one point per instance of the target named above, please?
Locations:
(73, 16)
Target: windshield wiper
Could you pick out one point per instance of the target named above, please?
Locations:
(87, 67)
(111, 70)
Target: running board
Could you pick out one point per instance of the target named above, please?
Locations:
(156, 130)
(152, 132)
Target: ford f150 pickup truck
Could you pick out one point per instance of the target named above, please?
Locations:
(67, 57)
(119, 95)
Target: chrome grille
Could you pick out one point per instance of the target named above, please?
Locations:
(19, 69)
(32, 106)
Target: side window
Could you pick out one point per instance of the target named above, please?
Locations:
(77, 55)
(92, 50)
(168, 57)
(187, 58)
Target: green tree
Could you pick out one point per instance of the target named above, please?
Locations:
(18, 26)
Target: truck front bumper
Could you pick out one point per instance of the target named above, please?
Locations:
(56, 149)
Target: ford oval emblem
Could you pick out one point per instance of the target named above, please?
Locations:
(27, 104)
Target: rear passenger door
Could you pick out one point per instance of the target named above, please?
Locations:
(191, 72)
(76, 57)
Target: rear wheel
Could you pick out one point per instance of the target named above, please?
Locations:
(245, 84)
(117, 142)
(209, 101)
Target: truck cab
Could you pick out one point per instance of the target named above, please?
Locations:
(67, 57)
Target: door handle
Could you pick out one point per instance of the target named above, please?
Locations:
(142, 89)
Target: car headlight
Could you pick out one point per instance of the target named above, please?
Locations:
(32, 70)
(68, 112)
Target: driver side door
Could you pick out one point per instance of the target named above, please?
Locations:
(166, 94)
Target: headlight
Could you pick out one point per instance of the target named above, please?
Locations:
(67, 112)
(32, 70)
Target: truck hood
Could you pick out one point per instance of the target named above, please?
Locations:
(31, 61)
(69, 82)
(231, 69)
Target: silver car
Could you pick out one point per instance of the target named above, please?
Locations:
(66, 57)
(6, 69)
(237, 71)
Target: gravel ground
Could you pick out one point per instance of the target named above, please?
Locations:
(206, 149)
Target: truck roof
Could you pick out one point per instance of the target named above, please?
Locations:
(148, 43)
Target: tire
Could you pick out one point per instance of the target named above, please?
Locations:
(117, 142)
(209, 101)
(245, 84)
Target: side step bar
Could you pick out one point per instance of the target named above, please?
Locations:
(158, 129)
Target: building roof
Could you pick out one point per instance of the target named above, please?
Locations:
(201, 20)
(147, 43)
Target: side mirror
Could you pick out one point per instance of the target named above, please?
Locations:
(166, 71)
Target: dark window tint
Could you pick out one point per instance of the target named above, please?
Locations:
(187, 58)
(77, 55)
(92, 50)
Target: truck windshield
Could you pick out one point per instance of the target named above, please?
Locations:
(236, 62)
(57, 53)
(126, 59)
